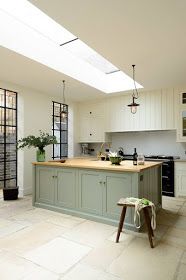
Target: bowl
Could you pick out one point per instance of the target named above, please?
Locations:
(115, 160)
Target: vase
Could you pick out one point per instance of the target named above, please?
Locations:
(40, 155)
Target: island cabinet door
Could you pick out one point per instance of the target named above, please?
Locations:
(45, 182)
(116, 186)
(90, 192)
(66, 188)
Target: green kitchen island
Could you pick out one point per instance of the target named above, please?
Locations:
(91, 189)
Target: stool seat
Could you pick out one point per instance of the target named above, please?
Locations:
(124, 203)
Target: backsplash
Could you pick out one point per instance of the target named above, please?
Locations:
(147, 143)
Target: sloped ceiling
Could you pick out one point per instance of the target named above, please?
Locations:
(148, 33)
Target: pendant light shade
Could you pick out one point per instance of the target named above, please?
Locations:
(133, 106)
(63, 112)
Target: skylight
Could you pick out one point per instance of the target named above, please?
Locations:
(30, 32)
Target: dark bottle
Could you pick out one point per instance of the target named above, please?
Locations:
(135, 155)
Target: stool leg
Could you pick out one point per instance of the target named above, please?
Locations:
(122, 218)
(150, 232)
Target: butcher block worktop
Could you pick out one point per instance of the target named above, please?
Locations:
(125, 166)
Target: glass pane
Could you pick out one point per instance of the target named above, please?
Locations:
(57, 134)
(11, 169)
(1, 170)
(10, 99)
(184, 122)
(64, 125)
(63, 136)
(10, 117)
(64, 150)
(11, 152)
(57, 151)
(1, 153)
(2, 121)
(2, 102)
(57, 109)
(10, 183)
(1, 134)
(10, 134)
(56, 123)
(2, 184)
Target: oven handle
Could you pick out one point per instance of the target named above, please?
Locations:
(166, 177)
(165, 164)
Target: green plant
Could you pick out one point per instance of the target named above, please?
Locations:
(43, 140)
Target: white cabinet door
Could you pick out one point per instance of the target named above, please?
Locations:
(180, 178)
(92, 122)
(181, 117)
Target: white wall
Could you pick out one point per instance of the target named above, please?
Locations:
(34, 114)
(148, 143)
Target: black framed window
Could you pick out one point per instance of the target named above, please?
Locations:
(8, 138)
(60, 130)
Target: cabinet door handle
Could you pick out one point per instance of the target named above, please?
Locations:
(53, 176)
(100, 182)
(104, 183)
(90, 134)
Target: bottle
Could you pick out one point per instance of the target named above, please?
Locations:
(135, 156)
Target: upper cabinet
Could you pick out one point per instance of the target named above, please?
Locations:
(181, 117)
(156, 112)
(91, 118)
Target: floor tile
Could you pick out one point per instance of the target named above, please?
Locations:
(101, 257)
(58, 255)
(175, 237)
(182, 211)
(181, 275)
(31, 237)
(13, 267)
(183, 259)
(85, 272)
(65, 222)
(90, 233)
(139, 261)
(40, 274)
(7, 227)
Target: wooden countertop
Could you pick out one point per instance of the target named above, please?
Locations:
(125, 166)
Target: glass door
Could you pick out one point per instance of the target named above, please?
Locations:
(8, 138)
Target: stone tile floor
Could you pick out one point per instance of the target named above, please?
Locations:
(43, 245)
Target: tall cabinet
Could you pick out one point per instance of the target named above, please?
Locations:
(181, 131)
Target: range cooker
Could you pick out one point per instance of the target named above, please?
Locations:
(167, 171)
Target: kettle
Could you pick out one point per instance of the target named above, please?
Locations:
(120, 152)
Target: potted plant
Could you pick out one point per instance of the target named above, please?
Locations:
(40, 142)
(114, 158)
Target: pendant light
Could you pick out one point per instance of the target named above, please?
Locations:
(133, 106)
(63, 112)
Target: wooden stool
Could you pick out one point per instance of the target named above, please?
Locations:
(122, 202)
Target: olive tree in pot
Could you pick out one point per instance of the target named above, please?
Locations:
(40, 142)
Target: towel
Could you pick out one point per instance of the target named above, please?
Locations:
(140, 204)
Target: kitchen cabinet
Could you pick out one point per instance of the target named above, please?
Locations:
(92, 123)
(90, 192)
(180, 178)
(93, 193)
(99, 192)
(56, 186)
(181, 116)
(45, 180)
(114, 187)
(65, 188)
(157, 111)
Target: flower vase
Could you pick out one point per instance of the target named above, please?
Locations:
(40, 155)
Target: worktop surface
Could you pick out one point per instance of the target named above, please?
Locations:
(125, 166)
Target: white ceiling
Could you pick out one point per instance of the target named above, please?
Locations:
(148, 33)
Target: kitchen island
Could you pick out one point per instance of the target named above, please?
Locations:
(90, 188)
